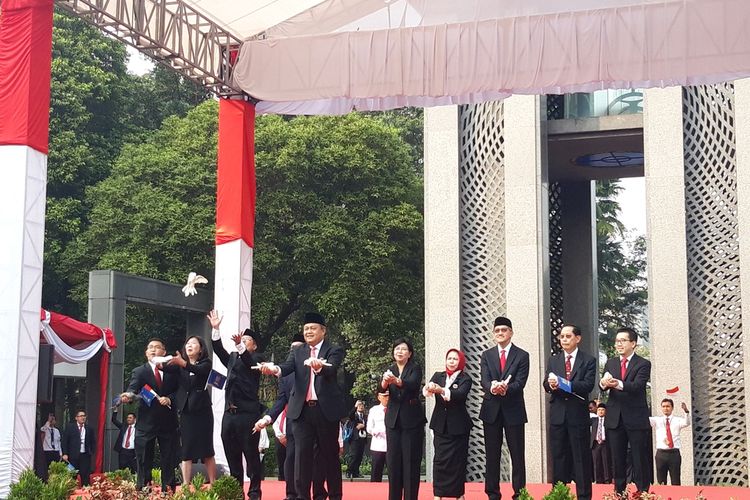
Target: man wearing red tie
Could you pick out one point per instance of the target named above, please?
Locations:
(78, 446)
(625, 378)
(504, 369)
(667, 429)
(315, 407)
(125, 443)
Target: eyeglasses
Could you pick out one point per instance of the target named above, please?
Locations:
(622, 341)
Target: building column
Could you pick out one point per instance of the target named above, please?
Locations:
(26, 45)
(579, 264)
(527, 261)
(235, 219)
(742, 124)
(669, 325)
(442, 279)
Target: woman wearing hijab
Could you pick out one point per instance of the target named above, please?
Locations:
(450, 425)
(404, 421)
(194, 407)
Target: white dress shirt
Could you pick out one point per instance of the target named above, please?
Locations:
(676, 424)
(128, 441)
(51, 441)
(376, 428)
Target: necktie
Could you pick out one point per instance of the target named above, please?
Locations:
(80, 428)
(127, 438)
(670, 441)
(51, 439)
(600, 431)
(623, 368)
(567, 366)
(502, 361)
(157, 377)
(312, 377)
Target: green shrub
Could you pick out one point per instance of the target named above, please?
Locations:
(28, 486)
(59, 487)
(227, 488)
(525, 495)
(60, 469)
(559, 492)
(121, 475)
(198, 481)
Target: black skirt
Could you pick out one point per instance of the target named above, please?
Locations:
(449, 465)
(197, 434)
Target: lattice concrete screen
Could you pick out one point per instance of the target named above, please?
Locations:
(555, 265)
(482, 216)
(716, 351)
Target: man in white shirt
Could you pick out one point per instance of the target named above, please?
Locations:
(378, 444)
(51, 440)
(667, 431)
(125, 443)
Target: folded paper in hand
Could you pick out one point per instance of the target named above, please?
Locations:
(148, 394)
(325, 363)
(216, 379)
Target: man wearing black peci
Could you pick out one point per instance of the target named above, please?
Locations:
(316, 405)
(125, 442)
(241, 405)
(627, 420)
(157, 421)
(570, 424)
(504, 369)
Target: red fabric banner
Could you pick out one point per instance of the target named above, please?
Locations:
(25, 67)
(235, 184)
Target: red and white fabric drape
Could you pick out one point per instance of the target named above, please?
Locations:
(78, 342)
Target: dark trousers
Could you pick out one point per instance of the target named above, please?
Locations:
(356, 451)
(404, 459)
(169, 442)
(602, 462)
(238, 440)
(51, 456)
(640, 440)
(571, 454)
(493, 443)
(291, 487)
(126, 459)
(378, 463)
(311, 429)
(668, 461)
(82, 462)
(280, 459)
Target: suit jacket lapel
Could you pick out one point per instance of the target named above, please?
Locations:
(508, 362)
(633, 363)
(576, 363)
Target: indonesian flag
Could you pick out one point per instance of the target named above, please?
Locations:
(674, 390)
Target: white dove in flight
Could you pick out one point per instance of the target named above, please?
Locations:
(193, 279)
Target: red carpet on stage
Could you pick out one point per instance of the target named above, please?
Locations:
(358, 490)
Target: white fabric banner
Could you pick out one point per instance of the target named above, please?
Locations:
(635, 44)
(77, 354)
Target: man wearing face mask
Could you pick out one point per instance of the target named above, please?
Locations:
(241, 405)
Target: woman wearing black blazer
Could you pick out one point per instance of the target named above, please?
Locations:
(194, 407)
(450, 424)
(404, 422)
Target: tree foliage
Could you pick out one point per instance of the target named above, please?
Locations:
(96, 106)
(621, 268)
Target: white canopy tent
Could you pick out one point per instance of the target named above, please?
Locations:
(333, 56)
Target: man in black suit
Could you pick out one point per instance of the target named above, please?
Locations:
(125, 442)
(358, 423)
(285, 432)
(316, 405)
(157, 421)
(600, 447)
(241, 404)
(504, 369)
(78, 446)
(627, 422)
(568, 411)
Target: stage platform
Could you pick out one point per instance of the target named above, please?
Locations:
(362, 490)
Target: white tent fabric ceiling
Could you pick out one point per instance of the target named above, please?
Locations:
(332, 56)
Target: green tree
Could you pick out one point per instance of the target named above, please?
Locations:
(95, 107)
(621, 269)
(337, 226)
